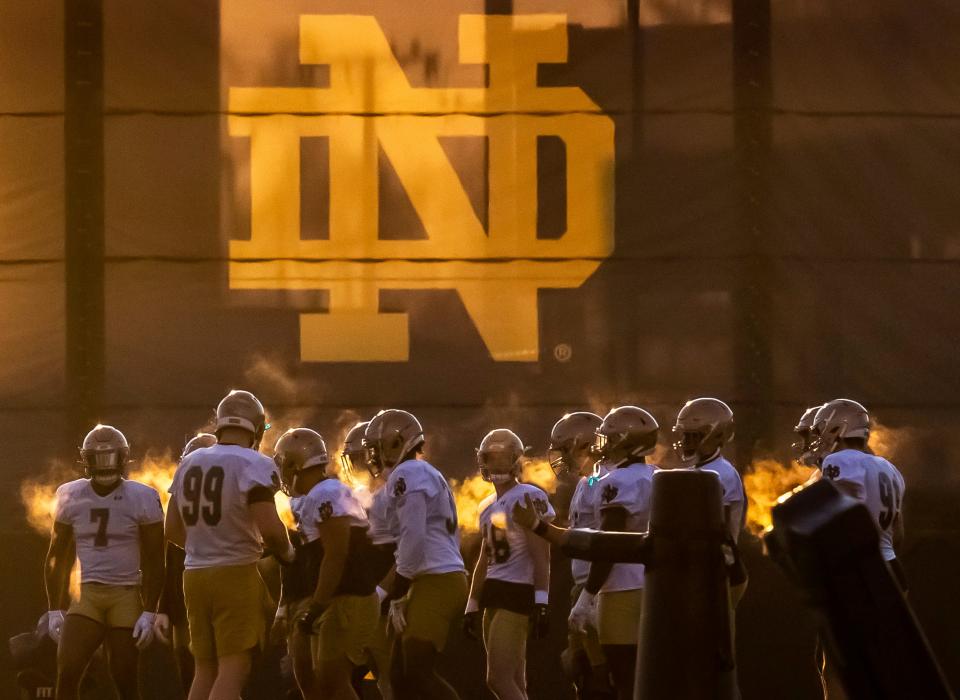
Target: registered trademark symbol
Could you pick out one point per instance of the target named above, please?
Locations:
(562, 352)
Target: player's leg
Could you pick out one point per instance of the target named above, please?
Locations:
(597, 684)
(333, 678)
(415, 672)
(378, 654)
(622, 661)
(300, 649)
(225, 611)
(728, 680)
(618, 614)
(182, 655)
(81, 638)
(198, 591)
(124, 607)
(123, 657)
(434, 601)
(232, 673)
(505, 639)
(301, 655)
(204, 676)
(344, 632)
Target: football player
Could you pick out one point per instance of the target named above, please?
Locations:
(627, 435)
(171, 612)
(430, 584)
(571, 440)
(840, 432)
(340, 608)
(841, 429)
(353, 460)
(509, 593)
(804, 432)
(613, 593)
(114, 526)
(702, 428)
(221, 506)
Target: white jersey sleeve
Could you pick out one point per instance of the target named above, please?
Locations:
(66, 502)
(106, 529)
(212, 488)
(629, 488)
(381, 529)
(585, 513)
(506, 544)
(328, 499)
(874, 481)
(428, 535)
(848, 472)
(734, 496)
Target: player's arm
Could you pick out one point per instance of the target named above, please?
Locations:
(274, 533)
(172, 577)
(387, 581)
(472, 624)
(335, 537)
(540, 554)
(539, 550)
(173, 526)
(612, 519)
(479, 578)
(898, 530)
(61, 555)
(152, 542)
(525, 515)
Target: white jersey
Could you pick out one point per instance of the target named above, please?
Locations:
(629, 488)
(505, 544)
(874, 481)
(427, 542)
(212, 487)
(585, 513)
(330, 498)
(734, 497)
(106, 529)
(381, 529)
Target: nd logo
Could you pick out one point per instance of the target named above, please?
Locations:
(370, 103)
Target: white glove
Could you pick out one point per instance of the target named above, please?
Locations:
(143, 630)
(55, 624)
(161, 627)
(583, 614)
(397, 615)
(381, 595)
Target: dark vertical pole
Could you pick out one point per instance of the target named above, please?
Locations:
(628, 182)
(753, 101)
(635, 34)
(498, 7)
(84, 198)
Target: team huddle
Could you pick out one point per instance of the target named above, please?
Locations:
(377, 583)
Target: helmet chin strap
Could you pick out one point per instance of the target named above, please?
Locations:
(108, 479)
(498, 477)
(710, 458)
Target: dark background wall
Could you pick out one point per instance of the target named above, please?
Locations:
(785, 232)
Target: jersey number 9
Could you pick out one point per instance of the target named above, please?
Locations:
(890, 498)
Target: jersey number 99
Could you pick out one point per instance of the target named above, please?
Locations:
(202, 495)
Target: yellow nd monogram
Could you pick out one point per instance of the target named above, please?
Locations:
(370, 102)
